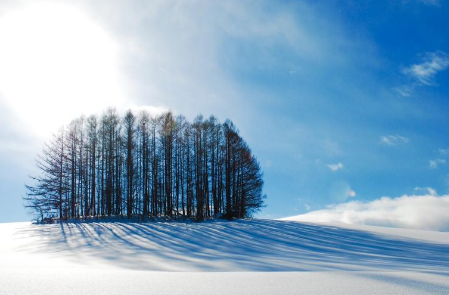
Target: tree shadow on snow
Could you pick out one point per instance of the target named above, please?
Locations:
(242, 245)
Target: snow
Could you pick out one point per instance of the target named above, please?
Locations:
(221, 257)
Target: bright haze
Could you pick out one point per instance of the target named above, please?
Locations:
(345, 103)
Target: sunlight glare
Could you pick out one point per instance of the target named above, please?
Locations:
(55, 65)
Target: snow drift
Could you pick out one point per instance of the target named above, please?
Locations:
(219, 257)
(243, 245)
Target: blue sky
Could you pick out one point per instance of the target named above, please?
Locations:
(339, 100)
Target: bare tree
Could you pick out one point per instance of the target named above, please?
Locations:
(148, 167)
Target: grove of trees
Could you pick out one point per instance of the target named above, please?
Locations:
(146, 167)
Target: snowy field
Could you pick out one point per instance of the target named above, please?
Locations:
(221, 257)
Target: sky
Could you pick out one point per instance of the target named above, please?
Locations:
(340, 101)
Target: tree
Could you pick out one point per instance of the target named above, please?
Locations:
(129, 126)
(148, 167)
(46, 197)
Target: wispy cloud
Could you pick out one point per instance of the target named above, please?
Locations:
(393, 140)
(435, 163)
(442, 160)
(404, 90)
(426, 190)
(427, 211)
(335, 167)
(424, 72)
(431, 64)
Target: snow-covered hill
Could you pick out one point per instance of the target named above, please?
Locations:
(221, 257)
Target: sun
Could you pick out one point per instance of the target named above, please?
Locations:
(56, 64)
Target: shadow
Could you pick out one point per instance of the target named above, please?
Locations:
(242, 245)
(415, 284)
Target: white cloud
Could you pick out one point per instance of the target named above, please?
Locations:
(425, 72)
(428, 212)
(335, 167)
(435, 163)
(393, 140)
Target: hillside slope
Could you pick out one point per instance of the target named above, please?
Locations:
(220, 257)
